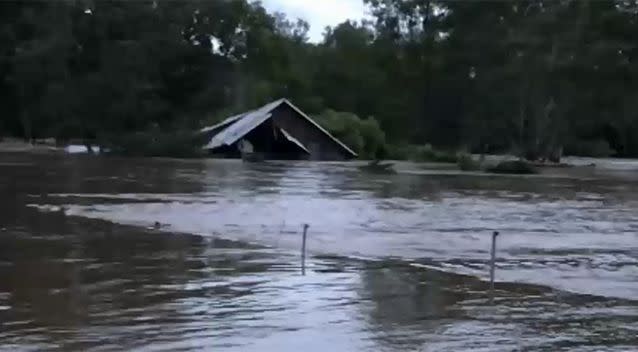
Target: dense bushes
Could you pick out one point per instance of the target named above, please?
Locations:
(420, 153)
(594, 148)
(518, 167)
(76, 69)
(364, 136)
(466, 162)
(425, 153)
(180, 144)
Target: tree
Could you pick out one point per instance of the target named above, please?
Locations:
(531, 76)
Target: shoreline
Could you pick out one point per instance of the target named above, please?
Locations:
(13, 145)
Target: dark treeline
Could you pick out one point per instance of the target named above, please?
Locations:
(528, 76)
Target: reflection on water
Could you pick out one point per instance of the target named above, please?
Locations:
(398, 260)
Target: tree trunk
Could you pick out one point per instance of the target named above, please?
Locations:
(88, 146)
(556, 154)
(27, 127)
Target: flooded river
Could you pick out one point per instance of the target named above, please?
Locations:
(396, 262)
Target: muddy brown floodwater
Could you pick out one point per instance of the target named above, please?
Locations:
(396, 262)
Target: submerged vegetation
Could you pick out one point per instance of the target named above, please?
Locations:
(378, 167)
(518, 167)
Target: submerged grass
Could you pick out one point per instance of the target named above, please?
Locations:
(516, 167)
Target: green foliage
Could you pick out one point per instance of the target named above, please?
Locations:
(492, 75)
(363, 136)
(517, 167)
(420, 153)
(179, 144)
(397, 152)
(467, 163)
(426, 153)
(80, 69)
(595, 148)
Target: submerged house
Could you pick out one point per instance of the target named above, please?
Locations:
(278, 130)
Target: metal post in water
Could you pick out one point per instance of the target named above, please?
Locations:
(303, 249)
(493, 264)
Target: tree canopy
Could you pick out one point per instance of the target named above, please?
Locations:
(533, 76)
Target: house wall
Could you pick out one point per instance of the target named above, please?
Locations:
(321, 146)
(268, 141)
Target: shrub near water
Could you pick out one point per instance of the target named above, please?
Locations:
(364, 136)
(467, 163)
(420, 153)
(428, 153)
(517, 167)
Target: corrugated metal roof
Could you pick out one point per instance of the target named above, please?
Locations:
(237, 130)
(264, 109)
(240, 125)
(227, 121)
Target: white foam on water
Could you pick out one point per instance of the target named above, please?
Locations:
(578, 246)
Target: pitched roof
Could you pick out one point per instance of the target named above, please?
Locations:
(239, 125)
(237, 117)
(226, 122)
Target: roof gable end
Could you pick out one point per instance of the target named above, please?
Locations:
(239, 125)
(315, 124)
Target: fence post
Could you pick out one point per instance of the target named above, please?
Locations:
(493, 265)
(303, 249)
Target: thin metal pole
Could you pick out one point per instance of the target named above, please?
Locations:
(303, 249)
(493, 264)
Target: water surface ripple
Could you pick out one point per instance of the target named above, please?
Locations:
(398, 261)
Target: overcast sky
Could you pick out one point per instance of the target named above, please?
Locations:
(319, 13)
